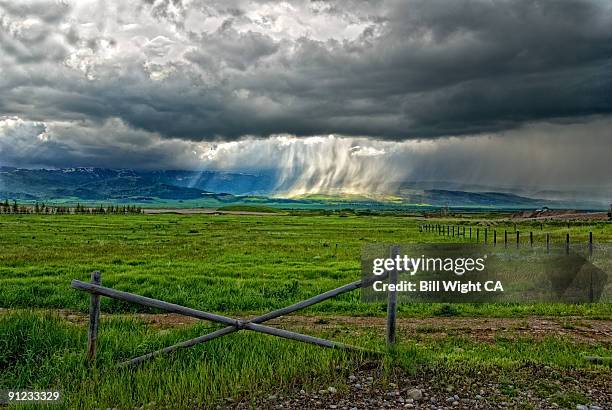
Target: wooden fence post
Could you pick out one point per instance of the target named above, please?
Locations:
(505, 238)
(486, 235)
(531, 238)
(547, 242)
(567, 243)
(591, 290)
(494, 237)
(517, 239)
(392, 300)
(470, 233)
(94, 318)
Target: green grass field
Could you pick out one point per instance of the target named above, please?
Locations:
(224, 263)
(236, 265)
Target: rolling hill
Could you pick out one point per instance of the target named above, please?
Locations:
(213, 188)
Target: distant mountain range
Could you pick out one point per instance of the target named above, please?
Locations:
(111, 184)
(211, 187)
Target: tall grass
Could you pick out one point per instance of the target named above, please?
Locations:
(43, 351)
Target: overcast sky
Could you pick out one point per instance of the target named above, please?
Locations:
(502, 92)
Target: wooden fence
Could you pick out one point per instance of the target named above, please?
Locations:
(474, 235)
(233, 325)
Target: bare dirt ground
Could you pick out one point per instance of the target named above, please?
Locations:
(483, 329)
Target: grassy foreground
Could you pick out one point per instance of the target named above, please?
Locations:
(45, 351)
(42, 351)
(238, 265)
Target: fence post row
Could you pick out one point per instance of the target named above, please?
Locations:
(445, 230)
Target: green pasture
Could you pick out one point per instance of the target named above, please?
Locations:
(228, 263)
(240, 265)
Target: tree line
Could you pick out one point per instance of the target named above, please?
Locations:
(42, 209)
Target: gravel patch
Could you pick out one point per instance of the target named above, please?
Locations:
(536, 387)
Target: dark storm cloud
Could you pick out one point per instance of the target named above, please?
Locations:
(392, 70)
(111, 144)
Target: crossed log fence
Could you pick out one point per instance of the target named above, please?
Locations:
(233, 325)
